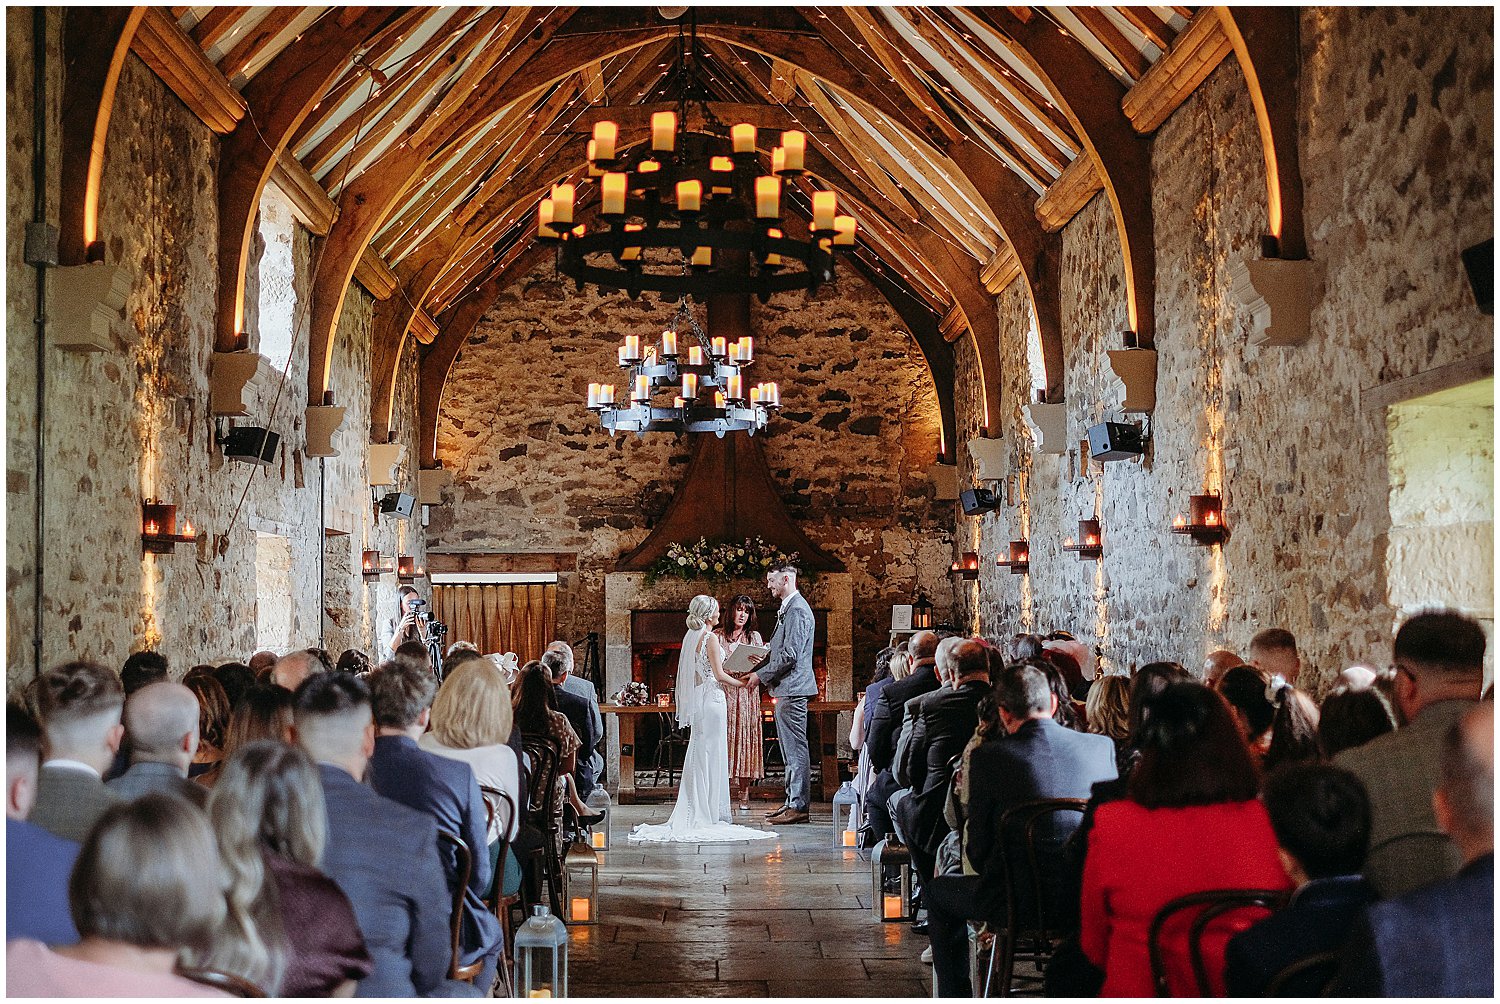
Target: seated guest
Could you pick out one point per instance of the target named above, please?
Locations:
(1245, 688)
(323, 657)
(578, 714)
(142, 669)
(516, 742)
(888, 662)
(1219, 662)
(383, 855)
(1107, 711)
(265, 712)
(581, 688)
(1321, 817)
(161, 721)
(886, 722)
(294, 667)
(261, 663)
(235, 678)
(1192, 823)
(145, 889)
(534, 711)
(1037, 759)
(291, 931)
(1439, 659)
(1059, 667)
(37, 864)
(1294, 728)
(444, 787)
(471, 721)
(1350, 717)
(213, 719)
(80, 704)
(1274, 652)
(353, 661)
(1439, 941)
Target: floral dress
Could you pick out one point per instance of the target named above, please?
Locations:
(746, 750)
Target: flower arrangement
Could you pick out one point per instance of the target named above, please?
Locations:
(746, 559)
(632, 695)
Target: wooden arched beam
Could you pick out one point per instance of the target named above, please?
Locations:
(94, 45)
(1265, 43)
(455, 325)
(1090, 99)
(279, 98)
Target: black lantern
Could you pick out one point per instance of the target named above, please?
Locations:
(921, 614)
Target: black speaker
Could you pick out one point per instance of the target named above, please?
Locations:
(251, 445)
(1479, 263)
(399, 503)
(1115, 441)
(977, 501)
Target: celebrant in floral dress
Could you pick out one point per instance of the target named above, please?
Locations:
(746, 752)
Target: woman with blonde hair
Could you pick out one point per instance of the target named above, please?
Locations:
(702, 813)
(1108, 713)
(294, 933)
(471, 723)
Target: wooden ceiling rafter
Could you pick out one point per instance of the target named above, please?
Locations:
(1112, 38)
(178, 62)
(214, 26)
(474, 74)
(258, 39)
(1158, 32)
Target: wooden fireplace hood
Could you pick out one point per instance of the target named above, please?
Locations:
(727, 492)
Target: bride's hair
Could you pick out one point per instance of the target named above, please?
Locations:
(700, 610)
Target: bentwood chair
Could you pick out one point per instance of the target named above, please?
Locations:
(545, 813)
(456, 850)
(500, 804)
(1211, 904)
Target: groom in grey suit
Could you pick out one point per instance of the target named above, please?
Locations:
(786, 671)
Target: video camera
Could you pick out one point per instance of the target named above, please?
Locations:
(435, 628)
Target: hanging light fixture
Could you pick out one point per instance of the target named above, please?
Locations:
(693, 213)
(707, 384)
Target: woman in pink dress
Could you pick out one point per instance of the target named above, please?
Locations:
(746, 755)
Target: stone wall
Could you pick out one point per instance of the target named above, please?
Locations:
(533, 471)
(1397, 159)
(132, 422)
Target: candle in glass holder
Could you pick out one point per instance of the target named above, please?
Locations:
(743, 137)
(597, 839)
(695, 355)
(1068, 542)
(689, 386)
(849, 836)
(1179, 521)
(612, 196)
(663, 700)
(1091, 541)
(151, 529)
(605, 136)
(187, 528)
(1211, 518)
(669, 344)
(825, 207)
(663, 130)
(543, 992)
(736, 388)
(579, 908)
(689, 196)
(794, 147)
(892, 905)
(717, 347)
(768, 198)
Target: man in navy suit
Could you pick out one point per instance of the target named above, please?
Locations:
(577, 712)
(383, 855)
(401, 698)
(1439, 941)
(1321, 817)
(885, 728)
(1039, 759)
(37, 864)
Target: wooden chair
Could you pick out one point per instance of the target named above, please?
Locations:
(496, 802)
(1307, 977)
(452, 843)
(672, 740)
(1030, 886)
(1212, 904)
(546, 756)
(234, 986)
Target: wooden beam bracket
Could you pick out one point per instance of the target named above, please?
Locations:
(1195, 54)
(174, 57)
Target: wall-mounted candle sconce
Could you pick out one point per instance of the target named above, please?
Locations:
(1204, 521)
(967, 566)
(1090, 540)
(159, 528)
(407, 569)
(1020, 558)
(371, 567)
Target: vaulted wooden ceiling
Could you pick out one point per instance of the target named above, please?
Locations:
(418, 141)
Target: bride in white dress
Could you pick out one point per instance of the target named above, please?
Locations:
(702, 813)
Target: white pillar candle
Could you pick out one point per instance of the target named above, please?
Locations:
(669, 343)
(676, 403)
(642, 388)
(719, 400)
(778, 160)
(736, 388)
(690, 386)
(623, 360)
(631, 253)
(743, 137)
(755, 394)
(825, 206)
(844, 230)
(695, 355)
(703, 256)
(647, 167)
(605, 135)
(747, 349)
(794, 144)
(663, 130)
(593, 395)
(718, 347)
(768, 198)
(562, 203)
(544, 212)
(612, 193)
(632, 347)
(607, 393)
(689, 196)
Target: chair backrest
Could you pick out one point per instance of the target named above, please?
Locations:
(1031, 860)
(234, 986)
(499, 802)
(1211, 904)
(545, 756)
(454, 848)
(1307, 977)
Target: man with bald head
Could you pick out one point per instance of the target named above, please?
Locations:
(294, 667)
(161, 722)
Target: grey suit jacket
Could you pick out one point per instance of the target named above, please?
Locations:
(787, 671)
(145, 777)
(902, 768)
(69, 802)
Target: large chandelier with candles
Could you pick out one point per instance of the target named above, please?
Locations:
(692, 213)
(704, 376)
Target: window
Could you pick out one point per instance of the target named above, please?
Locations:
(277, 300)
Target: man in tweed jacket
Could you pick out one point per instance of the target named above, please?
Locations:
(787, 673)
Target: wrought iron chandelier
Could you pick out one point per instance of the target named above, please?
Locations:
(706, 381)
(692, 213)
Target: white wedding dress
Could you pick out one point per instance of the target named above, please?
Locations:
(702, 813)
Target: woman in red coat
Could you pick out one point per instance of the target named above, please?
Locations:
(1192, 823)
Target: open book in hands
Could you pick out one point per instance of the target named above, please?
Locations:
(745, 659)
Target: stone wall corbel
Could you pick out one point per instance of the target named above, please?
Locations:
(228, 376)
(945, 480)
(431, 481)
(1136, 370)
(86, 301)
(323, 420)
(384, 458)
(1280, 295)
(989, 456)
(1049, 426)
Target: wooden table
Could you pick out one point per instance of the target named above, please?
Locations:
(822, 742)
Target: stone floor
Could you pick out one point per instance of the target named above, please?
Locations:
(787, 917)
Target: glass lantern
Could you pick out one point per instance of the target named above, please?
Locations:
(844, 834)
(890, 880)
(598, 800)
(582, 866)
(541, 950)
(921, 613)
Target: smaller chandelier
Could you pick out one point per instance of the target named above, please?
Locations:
(706, 382)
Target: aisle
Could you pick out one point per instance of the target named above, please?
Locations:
(788, 917)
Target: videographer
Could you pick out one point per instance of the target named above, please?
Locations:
(410, 625)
